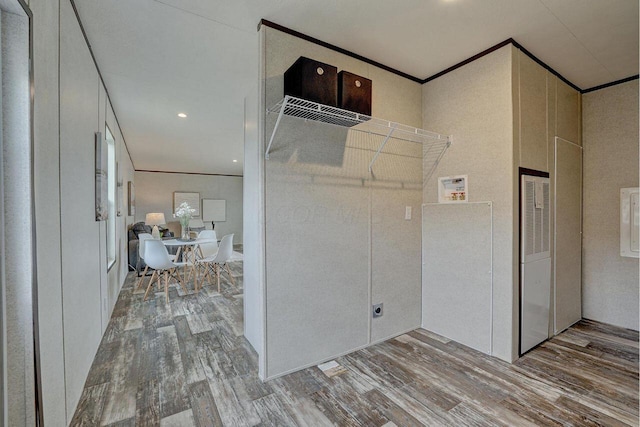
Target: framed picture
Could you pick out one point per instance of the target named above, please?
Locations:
(131, 199)
(119, 198)
(453, 189)
(214, 210)
(102, 179)
(119, 195)
(193, 199)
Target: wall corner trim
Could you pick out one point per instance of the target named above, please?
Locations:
(335, 48)
(606, 85)
(517, 45)
(189, 173)
(471, 59)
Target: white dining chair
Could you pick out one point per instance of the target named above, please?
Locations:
(207, 245)
(218, 260)
(157, 257)
(142, 237)
(195, 225)
(210, 247)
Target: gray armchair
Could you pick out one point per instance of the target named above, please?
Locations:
(135, 263)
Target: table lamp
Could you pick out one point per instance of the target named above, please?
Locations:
(155, 219)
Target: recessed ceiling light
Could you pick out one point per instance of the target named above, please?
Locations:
(182, 115)
(235, 161)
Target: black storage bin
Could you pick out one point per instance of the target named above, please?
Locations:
(354, 93)
(312, 80)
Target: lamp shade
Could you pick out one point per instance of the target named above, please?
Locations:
(155, 219)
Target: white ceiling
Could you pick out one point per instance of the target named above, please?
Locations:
(162, 57)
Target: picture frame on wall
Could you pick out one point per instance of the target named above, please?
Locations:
(101, 178)
(193, 199)
(131, 205)
(120, 191)
(119, 198)
(214, 210)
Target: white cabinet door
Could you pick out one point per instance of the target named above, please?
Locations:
(457, 278)
(568, 236)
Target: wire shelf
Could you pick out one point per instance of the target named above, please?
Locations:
(309, 110)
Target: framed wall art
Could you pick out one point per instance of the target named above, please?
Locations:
(214, 210)
(131, 198)
(193, 199)
(119, 190)
(102, 178)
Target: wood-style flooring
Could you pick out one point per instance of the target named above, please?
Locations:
(187, 364)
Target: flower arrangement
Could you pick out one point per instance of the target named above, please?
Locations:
(185, 213)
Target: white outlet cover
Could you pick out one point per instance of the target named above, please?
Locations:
(407, 212)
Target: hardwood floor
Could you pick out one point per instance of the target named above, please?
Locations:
(187, 363)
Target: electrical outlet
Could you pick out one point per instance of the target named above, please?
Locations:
(377, 310)
(407, 213)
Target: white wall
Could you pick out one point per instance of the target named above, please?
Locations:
(474, 103)
(253, 249)
(15, 199)
(610, 140)
(336, 237)
(70, 105)
(47, 201)
(154, 193)
(82, 254)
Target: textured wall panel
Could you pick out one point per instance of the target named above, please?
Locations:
(82, 263)
(324, 260)
(610, 282)
(568, 112)
(47, 201)
(253, 279)
(456, 295)
(317, 246)
(474, 103)
(533, 114)
(16, 204)
(395, 250)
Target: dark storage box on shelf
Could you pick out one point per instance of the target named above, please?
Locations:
(312, 80)
(354, 93)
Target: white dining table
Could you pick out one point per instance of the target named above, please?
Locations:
(183, 245)
(191, 251)
(186, 247)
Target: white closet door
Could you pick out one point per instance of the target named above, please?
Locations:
(568, 236)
